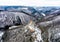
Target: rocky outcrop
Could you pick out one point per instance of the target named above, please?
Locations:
(28, 33)
(49, 27)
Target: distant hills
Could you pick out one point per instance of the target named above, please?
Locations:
(29, 9)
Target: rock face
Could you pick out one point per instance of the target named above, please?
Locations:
(15, 35)
(54, 34)
(50, 28)
(28, 33)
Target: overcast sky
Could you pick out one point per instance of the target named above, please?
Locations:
(30, 2)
